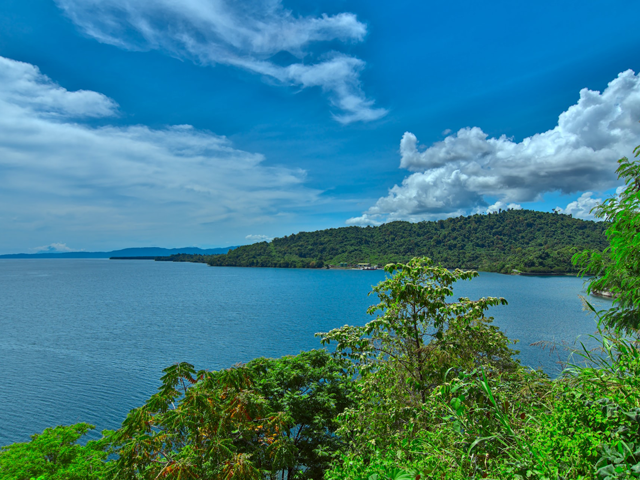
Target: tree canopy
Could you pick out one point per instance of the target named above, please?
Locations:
(251, 421)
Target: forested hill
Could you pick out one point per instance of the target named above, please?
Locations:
(524, 240)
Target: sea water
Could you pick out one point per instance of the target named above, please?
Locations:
(85, 340)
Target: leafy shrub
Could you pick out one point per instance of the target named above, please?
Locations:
(55, 455)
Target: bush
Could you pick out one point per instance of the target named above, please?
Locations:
(55, 455)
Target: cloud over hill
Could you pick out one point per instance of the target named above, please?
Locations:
(457, 175)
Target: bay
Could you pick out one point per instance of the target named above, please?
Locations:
(85, 340)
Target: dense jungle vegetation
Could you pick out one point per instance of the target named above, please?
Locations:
(523, 240)
(428, 389)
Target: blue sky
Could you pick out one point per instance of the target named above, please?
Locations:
(215, 122)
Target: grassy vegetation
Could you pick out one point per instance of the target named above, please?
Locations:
(523, 240)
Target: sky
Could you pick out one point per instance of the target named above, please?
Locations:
(211, 123)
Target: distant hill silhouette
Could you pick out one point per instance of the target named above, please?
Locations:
(126, 252)
(523, 240)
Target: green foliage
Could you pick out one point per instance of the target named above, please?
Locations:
(419, 332)
(410, 414)
(195, 427)
(617, 269)
(246, 422)
(592, 428)
(55, 455)
(311, 389)
(522, 240)
(518, 425)
(483, 418)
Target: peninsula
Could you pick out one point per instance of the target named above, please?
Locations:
(509, 241)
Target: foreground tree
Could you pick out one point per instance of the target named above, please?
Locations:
(311, 389)
(406, 360)
(420, 333)
(617, 269)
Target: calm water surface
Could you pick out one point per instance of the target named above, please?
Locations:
(86, 340)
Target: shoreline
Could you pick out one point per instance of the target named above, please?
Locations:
(606, 294)
(540, 274)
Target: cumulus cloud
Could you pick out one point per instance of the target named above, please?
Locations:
(258, 238)
(58, 173)
(581, 208)
(243, 34)
(456, 175)
(502, 206)
(363, 221)
(54, 248)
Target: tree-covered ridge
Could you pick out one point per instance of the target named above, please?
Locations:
(523, 240)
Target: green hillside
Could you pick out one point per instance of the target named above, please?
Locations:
(524, 240)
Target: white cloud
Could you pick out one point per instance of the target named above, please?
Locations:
(54, 248)
(457, 174)
(258, 238)
(59, 174)
(502, 206)
(23, 86)
(363, 221)
(243, 34)
(581, 208)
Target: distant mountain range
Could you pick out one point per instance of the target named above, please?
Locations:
(126, 252)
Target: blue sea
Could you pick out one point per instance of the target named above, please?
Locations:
(86, 340)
